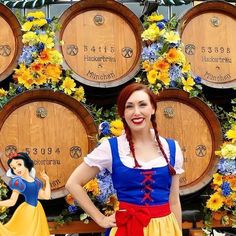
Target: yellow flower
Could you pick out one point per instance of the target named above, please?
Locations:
(172, 37)
(217, 179)
(228, 151)
(164, 77)
(186, 68)
(30, 38)
(3, 92)
(36, 14)
(152, 76)
(93, 187)
(47, 41)
(26, 79)
(152, 33)
(79, 93)
(27, 26)
(161, 65)
(215, 202)
(55, 57)
(68, 85)
(188, 84)
(231, 134)
(40, 79)
(116, 127)
(39, 22)
(155, 17)
(146, 66)
(53, 72)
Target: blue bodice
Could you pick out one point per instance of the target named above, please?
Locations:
(29, 190)
(141, 186)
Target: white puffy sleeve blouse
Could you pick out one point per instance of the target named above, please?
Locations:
(101, 156)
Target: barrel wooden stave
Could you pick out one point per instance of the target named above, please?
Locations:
(207, 33)
(99, 59)
(10, 41)
(197, 130)
(56, 143)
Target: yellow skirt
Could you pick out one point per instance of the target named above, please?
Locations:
(27, 220)
(163, 226)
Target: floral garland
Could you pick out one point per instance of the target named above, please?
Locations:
(163, 63)
(221, 204)
(40, 64)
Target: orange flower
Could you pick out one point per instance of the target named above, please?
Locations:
(161, 65)
(36, 66)
(44, 56)
(172, 55)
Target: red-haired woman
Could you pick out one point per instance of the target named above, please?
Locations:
(145, 172)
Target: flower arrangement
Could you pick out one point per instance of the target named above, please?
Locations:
(222, 202)
(3, 195)
(100, 189)
(101, 192)
(40, 64)
(163, 63)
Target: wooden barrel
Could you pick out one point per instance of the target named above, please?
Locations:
(195, 126)
(56, 130)
(102, 42)
(207, 31)
(10, 41)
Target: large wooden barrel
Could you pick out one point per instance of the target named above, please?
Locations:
(208, 31)
(195, 126)
(56, 130)
(102, 42)
(10, 41)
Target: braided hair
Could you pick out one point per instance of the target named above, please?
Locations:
(121, 102)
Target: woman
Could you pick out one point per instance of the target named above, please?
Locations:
(145, 172)
(29, 218)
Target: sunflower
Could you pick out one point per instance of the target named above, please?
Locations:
(93, 187)
(68, 85)
(215, 202)
(116, 127)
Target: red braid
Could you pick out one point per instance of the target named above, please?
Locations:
(131, 144)
(154, 124)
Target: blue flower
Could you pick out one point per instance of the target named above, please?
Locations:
(105, 186)
(197, 79)
(175, 72)
(19, 89)
(227, 166)
(27, 55)
(226, 189)
(161, 25)
(48, 20)
(41, 46)
(30, 18)
(72, 209)
(104, 128)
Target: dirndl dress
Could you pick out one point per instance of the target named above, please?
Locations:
(29, 218)
(143, 195)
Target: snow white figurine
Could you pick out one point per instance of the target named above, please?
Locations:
(29, 219)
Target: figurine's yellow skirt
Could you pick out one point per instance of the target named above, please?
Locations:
(163, 226)
(27, 220)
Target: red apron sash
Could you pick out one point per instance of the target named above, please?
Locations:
(131, 218)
